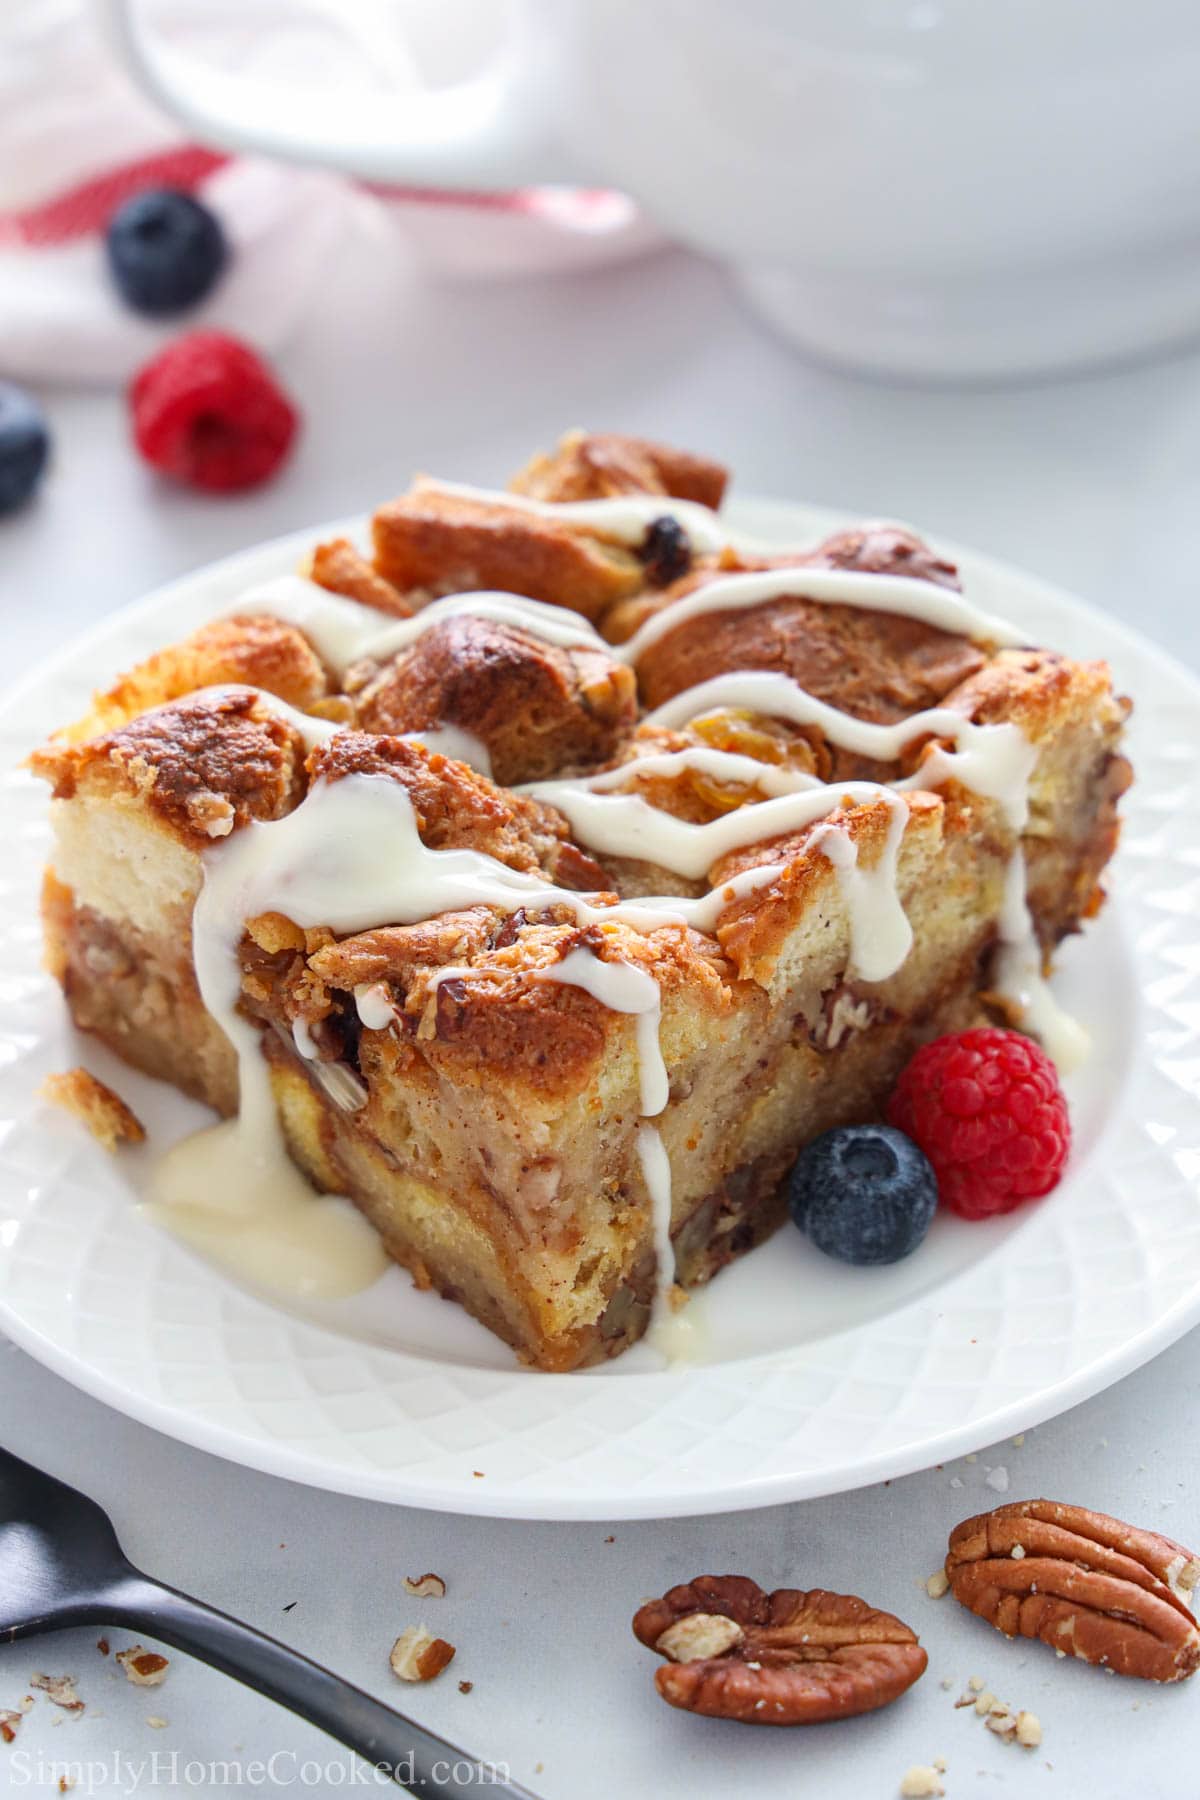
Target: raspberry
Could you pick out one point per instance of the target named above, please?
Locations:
(208, 411)
(987, 1110)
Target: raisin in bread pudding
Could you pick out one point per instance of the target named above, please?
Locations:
(546, 872)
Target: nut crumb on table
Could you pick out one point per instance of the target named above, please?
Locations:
(60, 1689)
(144, 1668)
(417, 1655)
(425, 1587)
(921, 1782)
(9, 1721)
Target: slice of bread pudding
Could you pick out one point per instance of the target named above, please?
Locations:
(550, 872)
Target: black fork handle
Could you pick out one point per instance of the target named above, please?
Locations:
(416, 1759)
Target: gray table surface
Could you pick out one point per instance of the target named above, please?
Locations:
(1092, 483)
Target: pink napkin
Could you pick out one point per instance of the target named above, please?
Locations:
(76, 138)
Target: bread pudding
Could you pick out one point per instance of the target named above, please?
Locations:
(546, 871)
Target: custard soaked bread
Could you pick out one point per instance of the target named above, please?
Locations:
(551, 872)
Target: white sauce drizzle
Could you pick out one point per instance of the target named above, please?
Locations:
(723, 765)
(374, 1005)
(452, 741)
(1018, 976)
(880, 934)
(344, 632)
(626, 989)
(902, 595)
(338, 629)
(622, 518)
(627, 824)
(993, 760)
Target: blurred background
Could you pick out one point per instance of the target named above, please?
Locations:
(418, 326)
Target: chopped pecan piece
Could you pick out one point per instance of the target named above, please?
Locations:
(60, 1689)
(145, 1668)
(417, 1655)
(797, 1657)
(1086, 1584)
(921, 1782)
(425, 1587)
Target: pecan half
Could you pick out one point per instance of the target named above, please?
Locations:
(1082, 1582)
(796, 1659)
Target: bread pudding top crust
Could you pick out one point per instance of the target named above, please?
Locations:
(203, 764)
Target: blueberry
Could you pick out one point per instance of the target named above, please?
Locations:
(863, 1193)
(165, 251)
(24, 446)
(666, 551)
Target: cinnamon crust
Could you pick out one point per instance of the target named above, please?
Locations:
(538, 708)
(599, 465)
(203, 765)
(429, 543)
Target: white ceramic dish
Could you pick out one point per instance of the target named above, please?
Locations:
(817, 1378)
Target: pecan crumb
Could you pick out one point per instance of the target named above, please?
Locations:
(155, 1723)
(1029, 1730)
(60, 1689)
(418, 1656)
(938, 1584)
(425, 1587)
(699, 1635)
(102, 1646)
(464, 1687)
(145, 1668)
(9, 1721)
(921, 1782)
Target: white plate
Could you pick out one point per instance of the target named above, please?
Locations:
(817, 1378)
